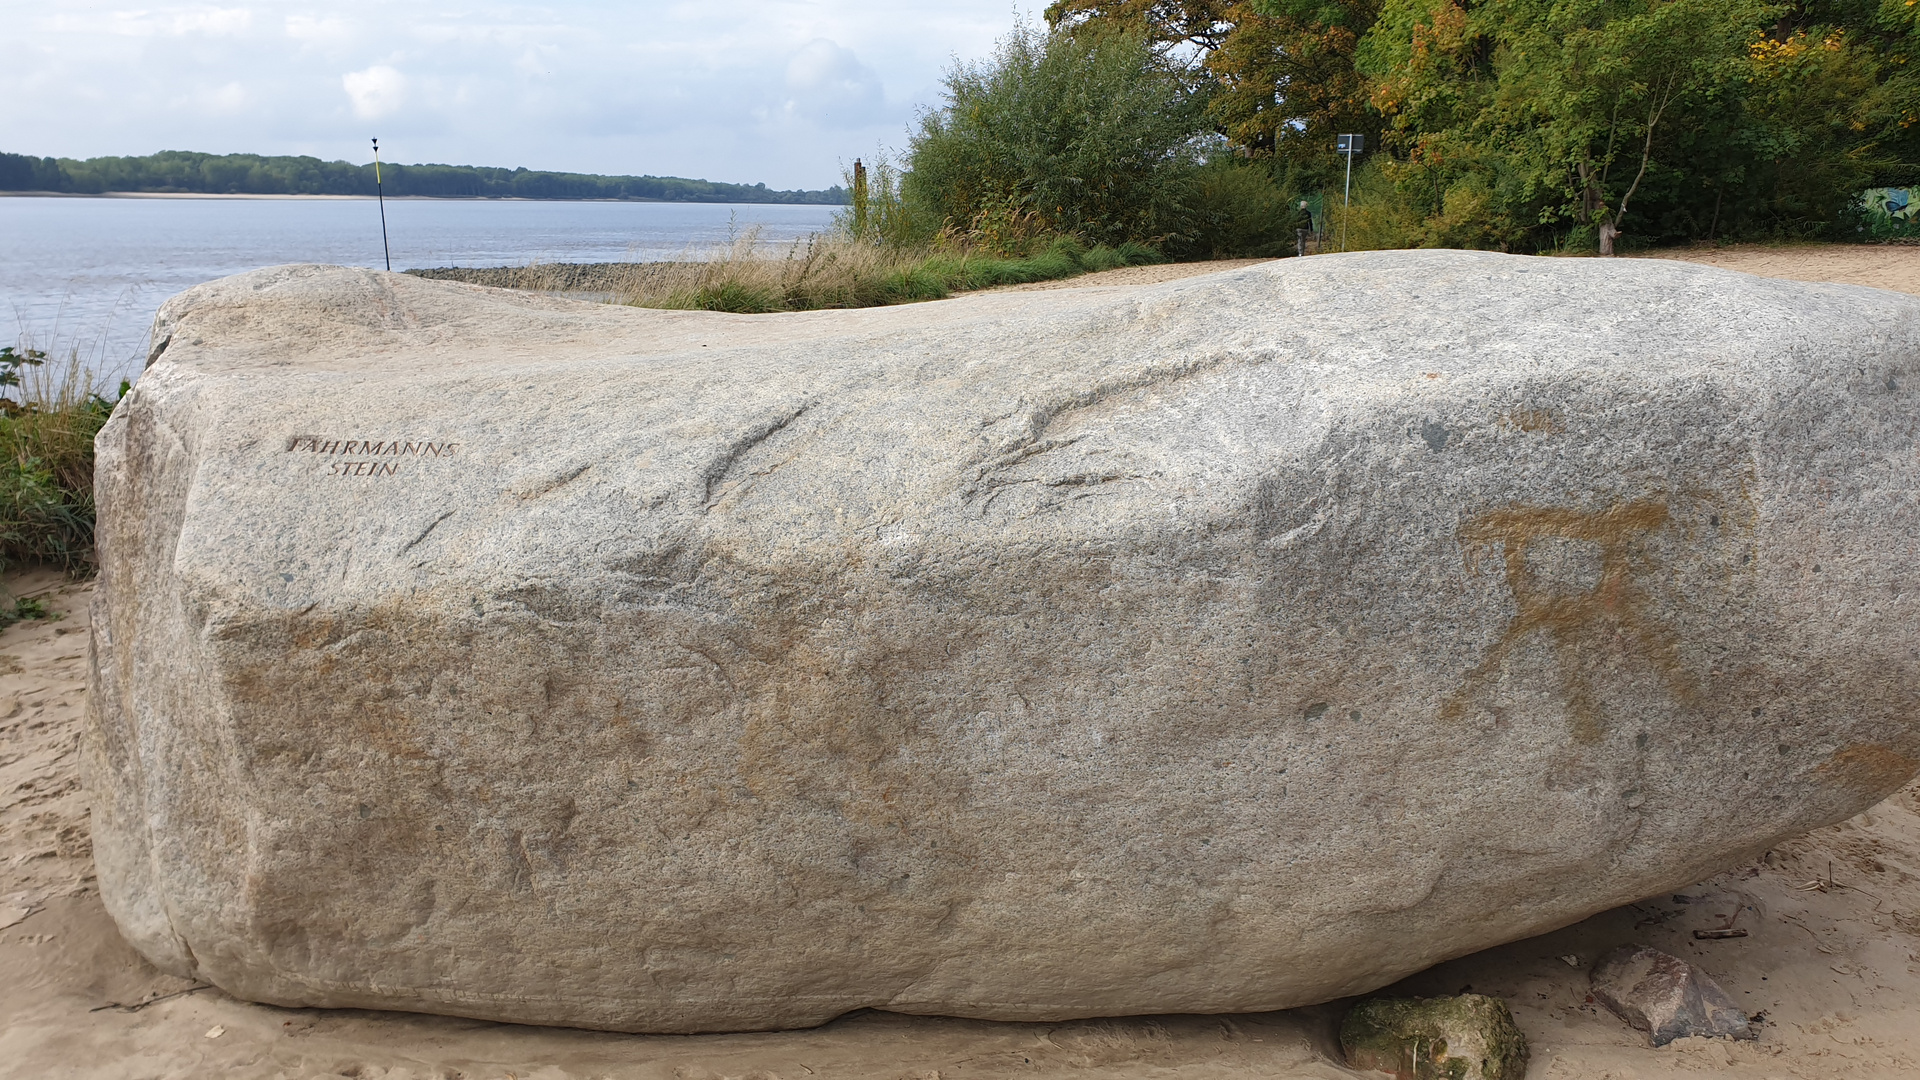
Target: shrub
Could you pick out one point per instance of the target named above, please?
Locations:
(1235, 207)
(46, 460)
(877, 212)
(1088, 134)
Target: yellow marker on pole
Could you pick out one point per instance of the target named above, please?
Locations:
(381, 195)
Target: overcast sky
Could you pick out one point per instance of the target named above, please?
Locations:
(780, 91)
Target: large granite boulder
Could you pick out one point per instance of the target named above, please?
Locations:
(1226, 644)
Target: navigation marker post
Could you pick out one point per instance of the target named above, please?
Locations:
(382, 196)
(1348, 145)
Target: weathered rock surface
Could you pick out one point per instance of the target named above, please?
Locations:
(1228, 644)
(1463, 1037)
(1666, 997)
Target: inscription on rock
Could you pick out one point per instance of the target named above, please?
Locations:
(367, 457)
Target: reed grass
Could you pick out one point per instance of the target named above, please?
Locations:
(49, 414)
(831, 271)
(841, 272)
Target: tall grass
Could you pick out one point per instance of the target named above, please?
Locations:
(48, 418)
(841, 272)
(877, 211)
(834, 271)
(882, 250)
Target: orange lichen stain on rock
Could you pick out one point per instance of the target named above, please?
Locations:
(1613, 608)
(1870, 768)
(1532, 421)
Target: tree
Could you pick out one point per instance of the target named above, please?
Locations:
(1565, 110)
(1180, 32)
(1278, 74)
(1589, 83)
(1088, 134)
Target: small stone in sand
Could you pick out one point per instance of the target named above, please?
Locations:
(1465, 1037)
(1665, 996)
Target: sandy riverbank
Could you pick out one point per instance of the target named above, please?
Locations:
(1832, 959)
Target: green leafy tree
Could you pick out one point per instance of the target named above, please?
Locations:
(1563, 114)
(1817, 134)
(1093, 134)
(1589, 83)
(1278, 74)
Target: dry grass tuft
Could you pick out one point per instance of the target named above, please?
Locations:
(833, 271)
(48, 419)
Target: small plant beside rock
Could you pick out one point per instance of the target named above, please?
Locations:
(47, 425)
(23, 609)
(1464, 1037)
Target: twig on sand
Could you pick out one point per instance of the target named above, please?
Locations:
(1823, 884)
(150, 1001)
(1727, 931)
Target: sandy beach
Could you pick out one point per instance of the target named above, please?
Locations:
(1830, 966)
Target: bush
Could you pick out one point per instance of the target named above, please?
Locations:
(1088, 134)
(877, 212)
(46, 461)
(1236, 208)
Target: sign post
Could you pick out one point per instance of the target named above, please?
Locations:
(385, 248)
(1348, 145)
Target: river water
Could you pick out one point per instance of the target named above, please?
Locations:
(87, 274)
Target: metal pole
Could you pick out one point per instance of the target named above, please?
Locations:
(382, 196)
(1347, 204)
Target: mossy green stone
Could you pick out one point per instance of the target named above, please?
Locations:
(1466, 1037)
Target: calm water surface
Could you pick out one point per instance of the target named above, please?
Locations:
(88, 274)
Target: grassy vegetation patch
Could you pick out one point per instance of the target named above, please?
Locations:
(822, 272)
(848, 274)
(47, 425)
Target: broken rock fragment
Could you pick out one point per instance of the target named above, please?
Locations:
(1666, 997)
(1465, 1037)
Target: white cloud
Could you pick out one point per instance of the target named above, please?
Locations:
(213, 22)
(150, 22)
(229, 99)
(378, 91)
(780, 91)
(316, 29)
(828, 83)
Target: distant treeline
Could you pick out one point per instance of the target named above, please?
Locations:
(181, 171)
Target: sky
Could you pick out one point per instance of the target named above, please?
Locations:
(783, 92)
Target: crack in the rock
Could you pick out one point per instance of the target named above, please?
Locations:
(1031, 441)
(432, 525)
(718, 471)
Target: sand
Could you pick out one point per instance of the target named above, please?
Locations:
(1882, 267)
(1131, 275)
(1831, 965)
